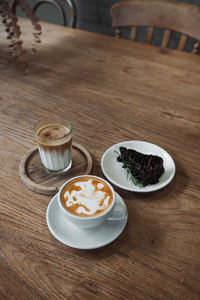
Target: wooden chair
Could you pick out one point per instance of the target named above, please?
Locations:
(166, 14)
(69, 3)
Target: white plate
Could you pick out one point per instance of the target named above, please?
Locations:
(87, 238)
(114, 172)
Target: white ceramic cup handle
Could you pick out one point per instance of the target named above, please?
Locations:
(118, 213)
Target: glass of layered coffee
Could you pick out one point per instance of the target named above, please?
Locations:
(54, 139)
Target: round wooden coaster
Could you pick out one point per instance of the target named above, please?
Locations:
(38, 180)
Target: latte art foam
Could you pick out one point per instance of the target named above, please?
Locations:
(87, 197)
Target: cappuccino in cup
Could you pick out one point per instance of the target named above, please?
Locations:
(86, 197)
(86, 200)
(54, 139)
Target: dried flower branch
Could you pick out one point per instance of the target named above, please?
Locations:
(13, 30)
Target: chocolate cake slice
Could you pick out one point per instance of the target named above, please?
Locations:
(146, 168)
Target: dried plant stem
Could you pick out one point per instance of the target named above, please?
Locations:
(13, 30)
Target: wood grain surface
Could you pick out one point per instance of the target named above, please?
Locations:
(112, 91)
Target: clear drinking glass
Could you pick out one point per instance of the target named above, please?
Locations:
(54, 139)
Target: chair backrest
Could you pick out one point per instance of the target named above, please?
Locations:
(69, 3)
(166, 14)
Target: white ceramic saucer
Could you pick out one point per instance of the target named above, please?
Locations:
(117, 175)
(90, 238)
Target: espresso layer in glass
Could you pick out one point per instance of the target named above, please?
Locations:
(86, 197)
(54, 146)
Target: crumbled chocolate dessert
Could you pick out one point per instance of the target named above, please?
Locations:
(146, 168)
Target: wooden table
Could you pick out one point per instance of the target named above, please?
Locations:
(112, 91)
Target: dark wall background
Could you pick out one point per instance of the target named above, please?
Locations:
(94, 16)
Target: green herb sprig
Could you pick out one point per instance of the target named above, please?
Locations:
(132, 176)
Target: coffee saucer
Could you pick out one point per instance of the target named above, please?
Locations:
(85, 238)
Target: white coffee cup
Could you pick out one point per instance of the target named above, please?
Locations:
(92, 220)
